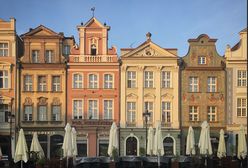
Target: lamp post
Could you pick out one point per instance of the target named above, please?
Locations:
(146, 114)
(10, 116)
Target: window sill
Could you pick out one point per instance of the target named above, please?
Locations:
(167, 88)
(57, 91)
(149, 88)
(42, 91)
(26, 91)
(241, 116)
(194, 92)
(56, 122)
(28, 122)
(42, 122)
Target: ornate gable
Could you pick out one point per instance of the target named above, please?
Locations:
(94, 23)
(41, 31)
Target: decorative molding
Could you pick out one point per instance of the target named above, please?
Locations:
(167, 95)
(149, 96)
(42, 101)
(28, 101)
(56, 101)
(132, 95)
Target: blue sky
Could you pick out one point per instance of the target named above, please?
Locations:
(171, 22)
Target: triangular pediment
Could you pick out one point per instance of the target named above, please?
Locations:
(167, 96)
(149, 96)
(149, 50)
(132, 96)
(41, 31)
(94, 23)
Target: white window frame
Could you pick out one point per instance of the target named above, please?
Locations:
(28, 83)
(49, 56)
(42, 87)
(57, 115)
(28, 115)
(166, 79)
(166, 107)
(132, 111)
(4, 49)
(5, 79)
(41, 115)
(150, 107)
(56, 86)
(212, 84)
(107, 82)
(132, 79)
(193, 84)
(149, 76)
(201, 60)
(109, 110)
(212, 113)
(77, 82)
(193, 112)
(242, 107)
(79, 110)
(35, 56)
(94, 109)
(93, 84)
(241, 78)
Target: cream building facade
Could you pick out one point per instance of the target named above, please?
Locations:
(236, 69)
(149, 80)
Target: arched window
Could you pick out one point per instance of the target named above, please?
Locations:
(93, 49)
(168, 146)
(131, 146)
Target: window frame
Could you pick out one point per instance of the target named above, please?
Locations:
(108, 82)
(202, 60)
(166, 111)
(59, 113)
(241, 78)
(193, 84)
(28, 84)
(148, 82)
(5, 79)
(38, 117)
(49, 54)
(131, 110)
(35, 56)
(193, 113)
(42, 84)
(166, 83)
(242, 107)
(94, 82)
(75, 117)
(4, 49)
(212, 113)
(56, 85)
(132, 79)
(212, 86)
(109, 117)
(77, 82)
(147, 106)
(94, 108)
(27, 115)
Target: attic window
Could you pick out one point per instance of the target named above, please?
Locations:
(201, 60)
(202, 41)
(93, 49)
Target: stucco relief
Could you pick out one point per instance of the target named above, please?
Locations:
(56, 101)
(28, 101)
(42, 100)
(212, 98)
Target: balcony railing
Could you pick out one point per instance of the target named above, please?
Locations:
(90, 58)
(92, 122)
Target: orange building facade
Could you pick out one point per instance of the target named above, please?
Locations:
(93, 88)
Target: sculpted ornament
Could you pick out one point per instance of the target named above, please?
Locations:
(56, 101)
(42, 100)
(28, 101)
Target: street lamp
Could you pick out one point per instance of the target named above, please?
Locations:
(10, 116)
(146, 114)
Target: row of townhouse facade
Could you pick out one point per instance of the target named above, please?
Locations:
(47, 80)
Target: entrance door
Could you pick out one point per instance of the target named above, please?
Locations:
(168, 146)
(131, 146)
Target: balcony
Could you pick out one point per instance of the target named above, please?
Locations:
(92, 122)
(90, 58)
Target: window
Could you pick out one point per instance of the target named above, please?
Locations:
(66, 49)
(42, 86)
(148, 79)
(56, 113)
(166, 112)
(242, 78)
(3, 113)
(103, 147)
(241, 107)
(4, 80)
(93, 49)
(131, 112)
(93, 109)
(193, 113)
(77, 109)
(212, 84)
(82, 148)
(4, 49)
(28, 113)
(201, 60)
(28, 83)
(149, 107)
(56, 83)
(131, 79)
(49, 56)
(193, 84)
(166, 79)
(35, 56)
(77, 81)
(93, 83)
(108, 81)
(168, 144)
(108, 109)
(212, 110)
(42, 113)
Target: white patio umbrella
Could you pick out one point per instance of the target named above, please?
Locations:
(190, 145)
(21, 152)
(74, 142)
(113, 139)
(204, 141)
(222, 146)
(150, 141)
(242, 147)
(36, 147)
(67, 143)
(158, 148)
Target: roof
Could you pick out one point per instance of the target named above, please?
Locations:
(202, 36)
(39, 28)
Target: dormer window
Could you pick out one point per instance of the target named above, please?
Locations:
(201, 60)
(93, 49)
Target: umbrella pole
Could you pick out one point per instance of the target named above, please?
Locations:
(21, 164)
(67, 161)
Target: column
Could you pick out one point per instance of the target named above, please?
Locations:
(42, 52)
(140, 102)
(123, 97)
(157, 103)
(175, 98)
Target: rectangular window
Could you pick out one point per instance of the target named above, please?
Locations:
(148, 79)
(242, 78)
(212, 84)
(28, 113)
(108, 109)
(193, 113)
(56, 113)
(35, 56)
(82, 148)
(4, 49)
(77, 109)
(49, 56)
(42, 85)
(66, 49)
(166, 112)
(93, 109)
(56, 83)
(131, 112)
(131, 79)
(3, 113)
(4, 80)
(166, 79)
(193, 84)
(212, 116)
(28, 83)
(42, 113)
(103, 147)
(77, 81)
(201, 60)
(108, 81)
(241, 107)
(149, 107)
(93, 81)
